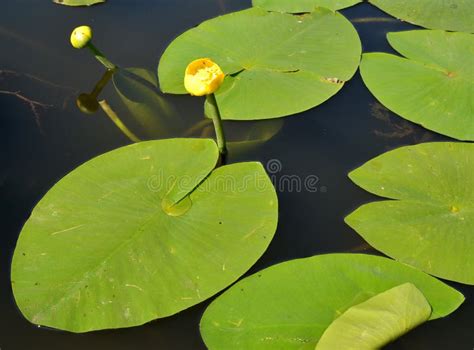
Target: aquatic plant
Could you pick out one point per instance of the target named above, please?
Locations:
(454, 15)
(151, 229)
(427, 221)
(290, 305)
(291, 64)
(378, 321)
(139, 233)
(432, 86)
(300, 6)
(79, 2)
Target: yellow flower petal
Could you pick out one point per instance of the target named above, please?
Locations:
(203, 77)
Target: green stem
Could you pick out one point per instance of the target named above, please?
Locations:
(215, 115)
(100, 57)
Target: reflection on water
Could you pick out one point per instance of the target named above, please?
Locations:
(148, 110)
(38, 65)
(153, 117)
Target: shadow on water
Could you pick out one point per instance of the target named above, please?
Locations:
(45, 136)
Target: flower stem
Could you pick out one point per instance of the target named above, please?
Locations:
(215, 115)
(100, 57)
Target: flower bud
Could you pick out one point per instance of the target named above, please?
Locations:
(81, 36)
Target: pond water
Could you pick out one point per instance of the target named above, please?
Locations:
(42, 144)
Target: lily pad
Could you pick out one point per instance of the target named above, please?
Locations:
(290, 305)
(276, 64)
(377, 321)
(140, 233)
(301, 6)
(429, 224)
(78, 2)
(455, 15)
(433, 86)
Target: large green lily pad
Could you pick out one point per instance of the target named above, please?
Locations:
(455, 15)
(430, 223)
(276, 64)
(140, 233)
(433, 86)
(290, 305)
(301, 6)
(377, 321)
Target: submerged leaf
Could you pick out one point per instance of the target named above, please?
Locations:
(300, 6)
(429, 224)
(140, 233)
(290, 305)
(276, 64)
(455, 15)
(377, 321)
(433, 86)
(151, 114)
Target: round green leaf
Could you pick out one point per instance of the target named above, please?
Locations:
(301, 6)
(455, 15)
(276, 64)
(140, 233)
(433, 86)
(429, 225)
(290, 305)
(377, 321)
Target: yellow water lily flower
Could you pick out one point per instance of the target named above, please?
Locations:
(203, 77)
(81, 36)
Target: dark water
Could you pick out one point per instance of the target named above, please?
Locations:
(36, 150)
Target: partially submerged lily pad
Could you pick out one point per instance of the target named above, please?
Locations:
(377, 321)
(455, 15)
(433, 86)
(276, 64)
(290, 305)
(429, 224)
(78, 2)
(301, 6)
(140, 233)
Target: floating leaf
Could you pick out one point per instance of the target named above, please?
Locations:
(140, 233)
(78, 2)
(300, 6)
(290, 305)
(433, 86)
(152, 114)
(377, 321)
(455, 15)
(429, 225)
(276, 64)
